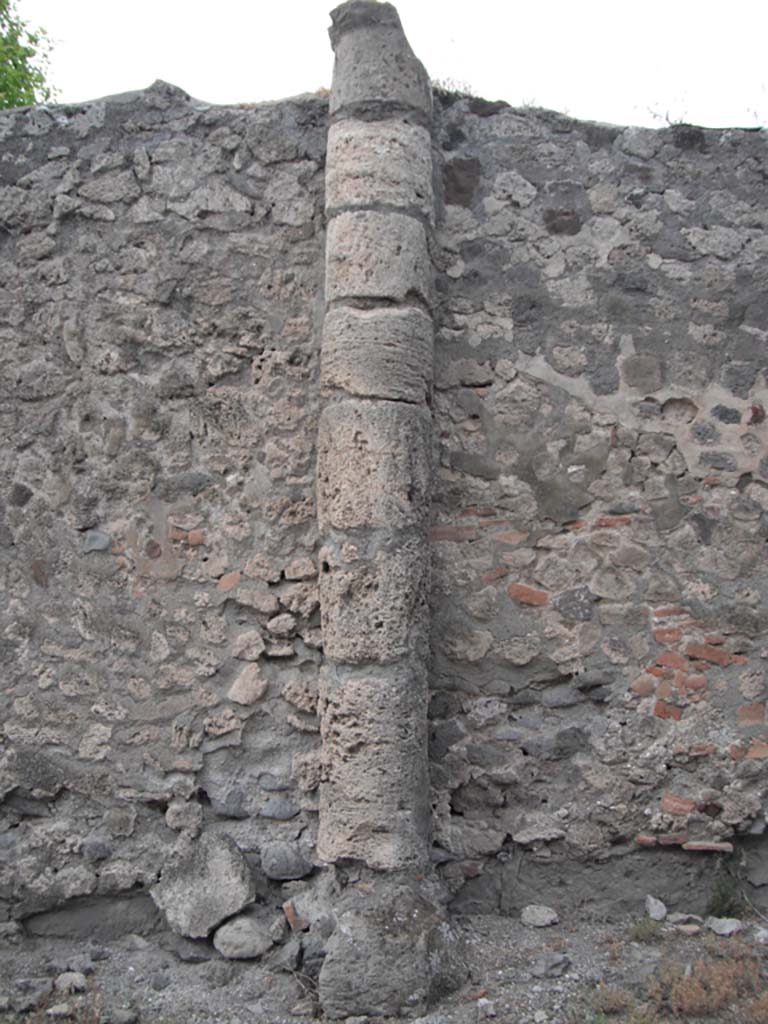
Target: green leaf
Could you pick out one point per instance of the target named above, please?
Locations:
(24, 59)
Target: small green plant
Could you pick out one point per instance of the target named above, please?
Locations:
(645, 930)
(756, 1010)
(451, 87)
(642, 1014)
(725, 899)
(707, 987)
(611, 999)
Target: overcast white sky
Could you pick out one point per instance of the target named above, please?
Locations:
(623, 61)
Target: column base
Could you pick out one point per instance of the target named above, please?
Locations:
(394, 951)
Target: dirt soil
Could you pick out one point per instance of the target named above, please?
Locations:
(573, 972)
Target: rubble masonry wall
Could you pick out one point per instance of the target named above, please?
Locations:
(599, 498)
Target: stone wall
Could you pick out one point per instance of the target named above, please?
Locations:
(162, 267)
(601, 505)
(599, 499)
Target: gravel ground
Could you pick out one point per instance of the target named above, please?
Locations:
(572, 972)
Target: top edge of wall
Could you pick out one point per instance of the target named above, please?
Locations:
(474, 105)
(168, 91)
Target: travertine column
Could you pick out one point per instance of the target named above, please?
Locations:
(392, 950)
(374, 446)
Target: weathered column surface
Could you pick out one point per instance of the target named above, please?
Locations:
(374, 446)
(373, 490)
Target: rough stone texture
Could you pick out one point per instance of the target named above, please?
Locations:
(375, 797)
(373, 465)
(599, 601)
(655, 909)
(374, 255)
(393, 952)
(374, 468)
(723, 925)
(377, 64)
(382, 162)
(203, 884)
(244, 937)
(379, 353)
(535, 915)
(282, 860)
(375, 607)
(598, 688)
(162, 266)
(95, 918)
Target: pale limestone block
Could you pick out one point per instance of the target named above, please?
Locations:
(374, 798)
(249, 687)
(374, 60)
(373, 255)
(203, 884)
(375, 609)
(379, 353)
(379, 162)
(392, 950)
(373, 465)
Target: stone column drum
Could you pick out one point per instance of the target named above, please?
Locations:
(392, 950)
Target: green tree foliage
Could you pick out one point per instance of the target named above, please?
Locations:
(24, 54)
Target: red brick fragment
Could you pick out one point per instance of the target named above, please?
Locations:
(673, 838)
(667, 636)
(176, 534)
(455, 533)
(643, 686)
(714, 638)
(737, 751)
(664, 690)
(296, 922)
(527, 595)
(672, 659)
(480, 511)
(690, 684)
(674, 803)
(702, 750)
(758, 750)
(510, 537)
(708, 652)
(642, 840)
(229, 580)
(664, 710)
(706, 846)
(495, 574)
(752, 714)
(195, 538)
(739, 659)
(669, 612)
(603, 522)
(39, 571)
